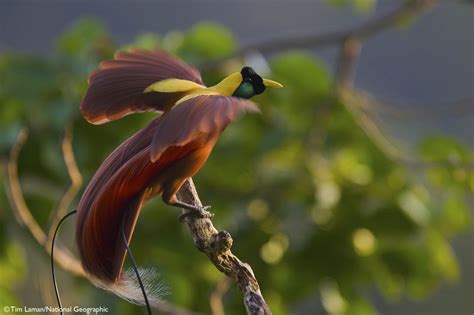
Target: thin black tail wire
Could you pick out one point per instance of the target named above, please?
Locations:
(129, 253)
(135, 269)
(56, 291)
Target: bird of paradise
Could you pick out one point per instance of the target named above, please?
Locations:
(157, 159)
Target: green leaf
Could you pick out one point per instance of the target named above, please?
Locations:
(443, 258)
(413, 205)
(145, 41)
(456, 215)
(302, 73)
(442, 148)
(84, 36)
(209, 40)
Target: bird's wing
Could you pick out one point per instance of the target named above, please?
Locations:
(198, 117)
(116, 89)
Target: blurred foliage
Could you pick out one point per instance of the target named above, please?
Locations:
(312, 204)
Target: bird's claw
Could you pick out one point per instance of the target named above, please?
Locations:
(199, 212)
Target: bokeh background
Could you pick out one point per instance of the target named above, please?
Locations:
(344, 201)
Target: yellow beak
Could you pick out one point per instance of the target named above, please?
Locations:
(272, 84)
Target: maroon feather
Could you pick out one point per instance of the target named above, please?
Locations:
(116, 89)
(201, 115)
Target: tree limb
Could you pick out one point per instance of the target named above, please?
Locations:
(76, 182)
(17, 202)
(217, 246)
(371, 28)
(357, 101)
(215, 300)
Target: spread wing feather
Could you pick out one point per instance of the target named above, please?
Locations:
(116, 89)
(205, 115)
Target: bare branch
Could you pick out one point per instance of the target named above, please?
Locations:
(348, 56)
(217, 246)
(76, 182)
(410, 111)
(215, 300)
(351, 100)
(371, 28)
(15, 194)
(350, 51)
(17, 202)
(358, 102)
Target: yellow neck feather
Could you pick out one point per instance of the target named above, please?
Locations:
(228, 85)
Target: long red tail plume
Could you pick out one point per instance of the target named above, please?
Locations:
(103, 206)
(115, 196)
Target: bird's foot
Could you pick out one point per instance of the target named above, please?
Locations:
(198, 212)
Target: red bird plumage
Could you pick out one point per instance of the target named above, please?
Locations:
(156, 160)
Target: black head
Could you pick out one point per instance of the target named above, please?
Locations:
(249, 75)
(251, 85)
